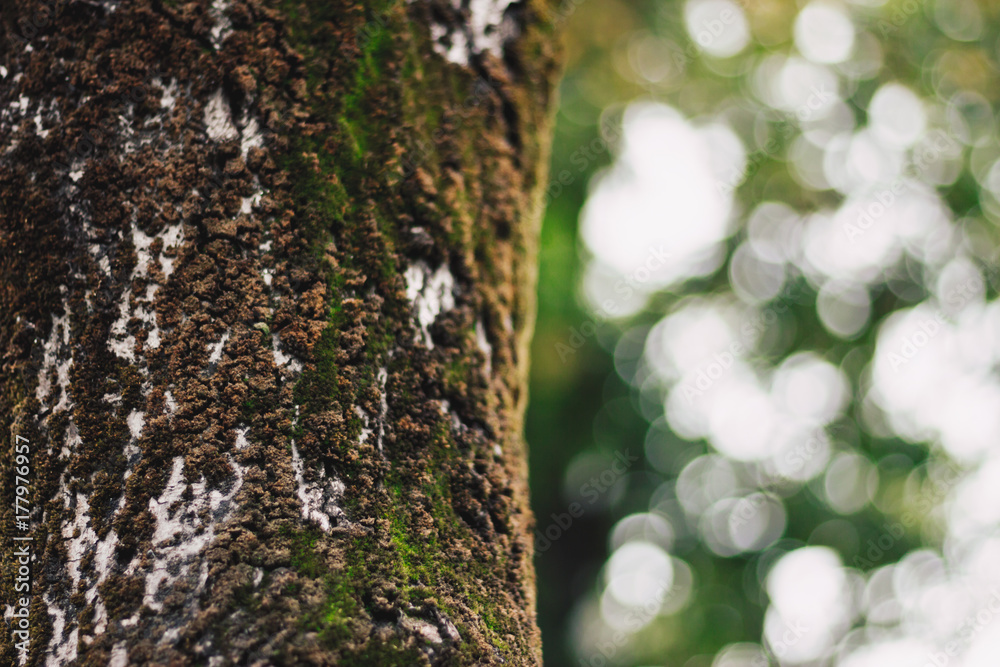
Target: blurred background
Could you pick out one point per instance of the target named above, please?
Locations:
(765, 395)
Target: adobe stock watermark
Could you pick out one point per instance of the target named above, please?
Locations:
(27, 27)
(892, 532)
(901, 13)
(372, 28)
(709, 31)
(582, 158)
(706, 34)
(931, 326)
(635, 620)
(711, 372)
(752, 329)
(754, 161)
(967, 631)
(793, 632)
(795, 458)
(591, 490)
(888, 196)
(916, 341)
(819, 98)
(656, 259)
(20, 623)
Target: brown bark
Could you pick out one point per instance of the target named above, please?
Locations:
(266, 278)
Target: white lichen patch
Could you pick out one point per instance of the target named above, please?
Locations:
(39, 128)
(220, 125)
(181, 533)
(247, 204)
(72, 441)
(449, 629)
(320, 496)
(429, 631)
(62, 646)
(167, 264)
(241, 437)
(483, 343)
(489, 27)
(426, 630)
(100, 619)
(170, 636)
(365, 421)
(169, 402)
(383, 376)
(15, 111)
(103, 555)
(62, 379)
(149, 317)
(85, 538)
(141, 241)
(80, 540)
(456, 422)
(172, 236)
(219, 118)
(56, 358)
(223, 26)
(431, 293)
(160, 507)
(453, 46)
(283, 360)
(215, 349)
(120, 342)
(251, 136)
(119, 655)
(126, 130)
(168, 98)
(136, 420)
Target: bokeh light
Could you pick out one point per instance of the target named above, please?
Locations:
(784, 303)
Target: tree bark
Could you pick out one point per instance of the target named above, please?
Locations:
(266, 282)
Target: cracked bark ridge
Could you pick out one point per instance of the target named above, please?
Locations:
(266, 278)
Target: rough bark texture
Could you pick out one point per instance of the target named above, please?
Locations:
(266, 278)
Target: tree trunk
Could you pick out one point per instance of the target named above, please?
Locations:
(266, 281)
